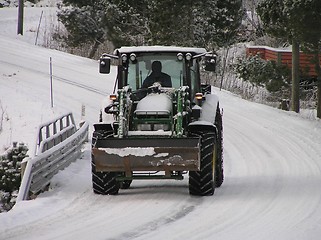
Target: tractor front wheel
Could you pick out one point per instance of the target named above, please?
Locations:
(103, 182)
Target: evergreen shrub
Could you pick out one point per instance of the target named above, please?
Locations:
(10, 174)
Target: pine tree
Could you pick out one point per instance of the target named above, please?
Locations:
(199, 23)
(170, 22)
(127, 22)
(299, 21)
(85, 23)
(278, 22)
(227, 20)
(204, 23)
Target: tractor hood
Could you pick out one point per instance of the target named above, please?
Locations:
(155, 103)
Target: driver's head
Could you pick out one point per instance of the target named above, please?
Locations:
(156, 66)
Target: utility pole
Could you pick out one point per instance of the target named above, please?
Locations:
(20, 17)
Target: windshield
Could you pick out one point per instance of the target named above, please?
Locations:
(167, 69)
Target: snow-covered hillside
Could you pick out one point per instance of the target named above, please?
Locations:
(272, 166)
(25, 70)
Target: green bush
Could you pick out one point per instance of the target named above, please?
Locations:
(263, 73)
(10, 175)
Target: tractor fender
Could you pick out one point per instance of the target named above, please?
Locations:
(202, 126)
(209, 108)
(206, 122)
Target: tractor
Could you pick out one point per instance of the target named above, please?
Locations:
(161, 121)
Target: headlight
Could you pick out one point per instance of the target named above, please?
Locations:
(188, 56)
(124, 57)
(132, 57)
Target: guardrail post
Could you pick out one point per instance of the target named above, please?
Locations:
(47, 131)
(61, 124)
(55, 127)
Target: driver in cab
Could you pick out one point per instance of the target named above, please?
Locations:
(157, 76)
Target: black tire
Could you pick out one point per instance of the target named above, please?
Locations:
(103, 182)
(219, 174)
(202, 183)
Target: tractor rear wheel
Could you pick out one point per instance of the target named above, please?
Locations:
(219, 174)
(202, 183)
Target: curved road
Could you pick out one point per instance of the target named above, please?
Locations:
(271, 188)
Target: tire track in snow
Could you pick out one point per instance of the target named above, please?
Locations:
(156, 224)
(269, 159)
(108, 217)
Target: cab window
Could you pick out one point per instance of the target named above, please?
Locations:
(138, 71)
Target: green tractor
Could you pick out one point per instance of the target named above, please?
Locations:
(160, 123)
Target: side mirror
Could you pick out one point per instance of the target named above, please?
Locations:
(104, 64)
(210, 62)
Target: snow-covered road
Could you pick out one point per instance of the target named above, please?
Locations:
(272, 168)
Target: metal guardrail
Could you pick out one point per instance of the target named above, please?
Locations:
(54, 152)
(50, 133)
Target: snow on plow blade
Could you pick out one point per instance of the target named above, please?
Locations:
(146, 154)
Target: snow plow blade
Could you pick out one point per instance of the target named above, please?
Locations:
(146, 154)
